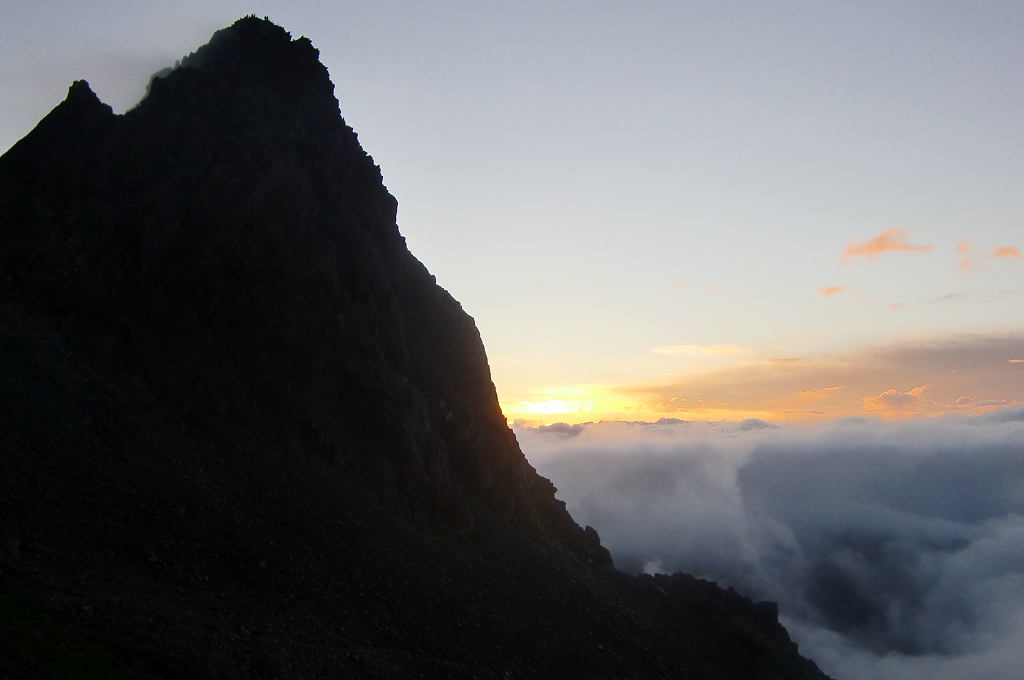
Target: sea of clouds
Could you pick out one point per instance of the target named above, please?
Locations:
(894, 550)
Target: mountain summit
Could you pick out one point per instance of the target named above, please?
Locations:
(232, 241)
(246, 433)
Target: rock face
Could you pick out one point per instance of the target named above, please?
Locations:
(231, 239)
(243, 433)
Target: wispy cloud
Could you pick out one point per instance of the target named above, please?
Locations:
(701, 350)
(1009, 252)
(828, 291)
(964, 247)
(787, 362)
(891, 240)
(811, 395)
(549, 407)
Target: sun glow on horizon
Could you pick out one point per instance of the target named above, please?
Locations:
(965, 376)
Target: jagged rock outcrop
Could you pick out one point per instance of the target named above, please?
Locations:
(231, 239)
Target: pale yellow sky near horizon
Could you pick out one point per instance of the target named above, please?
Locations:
(968, 375)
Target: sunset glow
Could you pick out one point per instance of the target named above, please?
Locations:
(965, 376)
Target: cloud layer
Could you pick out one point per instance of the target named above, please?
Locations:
(895, 550)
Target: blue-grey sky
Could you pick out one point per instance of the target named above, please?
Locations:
(598, 180)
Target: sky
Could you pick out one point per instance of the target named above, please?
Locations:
(678, 209)
(774, 247)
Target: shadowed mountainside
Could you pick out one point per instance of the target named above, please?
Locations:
(231, 240)
(246, 434)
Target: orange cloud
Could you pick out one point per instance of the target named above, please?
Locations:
(895, 404)
(895, 398)
(831, 290)
(890, 240)
(810, 395)
(1010, 252)
(965, 264)
(896, 305)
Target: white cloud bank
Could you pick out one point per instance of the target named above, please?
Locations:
(895, 550)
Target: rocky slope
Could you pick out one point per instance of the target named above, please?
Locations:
(245, 433)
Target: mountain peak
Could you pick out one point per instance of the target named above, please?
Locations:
(256, 44)
(80, 93)
(231, 240)
(252, 63)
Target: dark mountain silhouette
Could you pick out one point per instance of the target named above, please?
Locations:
(245, 434)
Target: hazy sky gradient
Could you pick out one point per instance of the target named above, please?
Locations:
(595, 181)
